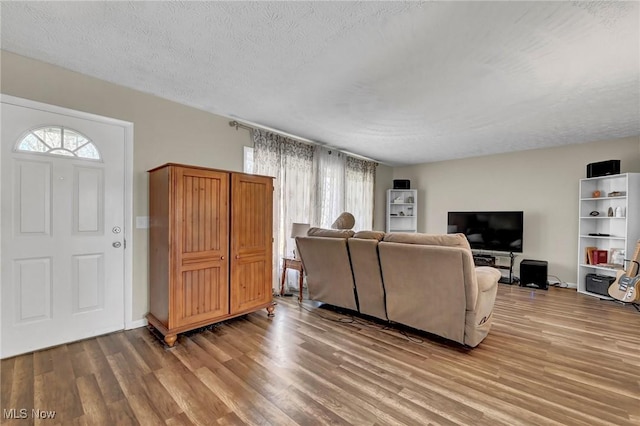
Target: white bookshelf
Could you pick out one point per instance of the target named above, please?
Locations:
(402, 210)
(623, 232)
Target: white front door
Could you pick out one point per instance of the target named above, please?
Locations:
(62, 223)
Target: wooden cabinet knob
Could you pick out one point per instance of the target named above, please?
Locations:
(221, 257)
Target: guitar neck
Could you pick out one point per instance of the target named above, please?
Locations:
(632, 269)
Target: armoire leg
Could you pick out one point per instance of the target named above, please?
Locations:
(270, 310)
(170, 339)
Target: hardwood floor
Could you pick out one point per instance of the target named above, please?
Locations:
(551, 358)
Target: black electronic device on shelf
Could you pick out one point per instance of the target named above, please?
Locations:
(598, 284)
(603, 168)
(484, 260)
(401, 184)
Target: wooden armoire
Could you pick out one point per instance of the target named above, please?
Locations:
(210, 247)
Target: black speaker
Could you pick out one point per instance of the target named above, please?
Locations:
(598, 284)
(401, 184)
(533, 273)
(603, 168)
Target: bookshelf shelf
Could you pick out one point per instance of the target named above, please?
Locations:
(603, 268)
(602, 218)
(596, 237)
(620, 197)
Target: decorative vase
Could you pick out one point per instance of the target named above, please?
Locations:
(596, 194)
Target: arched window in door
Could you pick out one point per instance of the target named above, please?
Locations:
(58, 140)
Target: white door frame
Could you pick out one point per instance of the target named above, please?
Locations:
(129, 322)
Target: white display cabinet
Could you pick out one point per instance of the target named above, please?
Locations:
(620, 195)
(402, 210)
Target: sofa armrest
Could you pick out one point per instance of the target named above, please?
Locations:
(479, 319)
(487, 278)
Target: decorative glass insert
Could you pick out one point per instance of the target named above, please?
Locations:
(58, 140)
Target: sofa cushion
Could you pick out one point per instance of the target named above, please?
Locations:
(369, 235)
(330, 233)
(367, 275)
(446, 240)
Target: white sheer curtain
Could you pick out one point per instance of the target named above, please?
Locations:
(329, 166)
(360, 176)
(291, 164)
(313, 185)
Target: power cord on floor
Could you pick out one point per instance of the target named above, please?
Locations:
(559, 284)
(351, 320)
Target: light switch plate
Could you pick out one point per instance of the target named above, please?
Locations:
(142, 222)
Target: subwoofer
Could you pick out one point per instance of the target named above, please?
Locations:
(533, 273)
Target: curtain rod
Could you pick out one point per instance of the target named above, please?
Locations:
(252, 126)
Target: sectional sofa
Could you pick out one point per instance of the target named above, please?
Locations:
(428, 282)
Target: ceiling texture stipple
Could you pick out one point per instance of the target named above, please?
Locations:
(399, 82)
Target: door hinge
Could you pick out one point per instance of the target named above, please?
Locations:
(125, 243)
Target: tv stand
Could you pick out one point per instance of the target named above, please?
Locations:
(490, 260)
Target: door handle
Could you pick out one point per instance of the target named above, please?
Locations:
(117, 244)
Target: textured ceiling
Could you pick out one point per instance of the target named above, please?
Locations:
(401, 83)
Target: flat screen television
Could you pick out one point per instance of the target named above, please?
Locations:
(493, 231)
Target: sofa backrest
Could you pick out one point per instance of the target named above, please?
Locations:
(429, 281)
(445, 240)
(325, 257)
(363, 249)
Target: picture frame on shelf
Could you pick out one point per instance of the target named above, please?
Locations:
(616, 256)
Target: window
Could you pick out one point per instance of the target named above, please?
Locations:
(248, 160)
(313, 184)
(57, 140)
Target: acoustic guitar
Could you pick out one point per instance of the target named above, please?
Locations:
(626, 287)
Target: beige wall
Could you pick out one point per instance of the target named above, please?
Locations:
(543, 183)
(164, 132)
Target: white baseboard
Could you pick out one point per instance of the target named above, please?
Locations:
(136, 324)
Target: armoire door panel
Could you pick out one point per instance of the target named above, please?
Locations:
(252, 214)
(251, 241)
(249, 289)
(202, 218)
(201, 293)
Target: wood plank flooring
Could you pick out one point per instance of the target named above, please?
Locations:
(552, 358)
